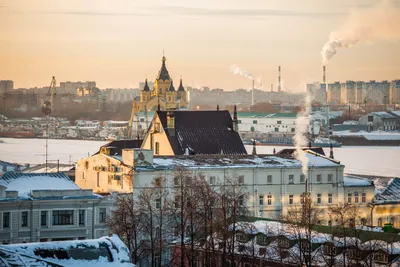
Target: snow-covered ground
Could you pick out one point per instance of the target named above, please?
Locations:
(378, 135)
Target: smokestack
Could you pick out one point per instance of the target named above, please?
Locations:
(279, 78)
(324, 74)
(252, 94)
(272, 87)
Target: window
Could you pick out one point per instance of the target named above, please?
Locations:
(302, 178)
(81, 217)
(269, 179)
(6, 219)
(349, 196)
(157, 127)
(283, 242)
(293, 130)
(305, 244)
(157, 152)
(176, 181)
(370, 118)
(254, 122)
(98, 179)
(211, 180)
(329, 250)
(363, 197)
(102, 215)
(329, 223)
(63, 217)
(330, 178)
(241, 179)
(363, 221)
(381, 257)
(278, 122)
(291, 179)
(43, 218)
(261, 200)
(354, 253)
(392, 220)
(290, 199)
(177, 201)
(262, 251)
(262, 239)
(241, 200)
(319, 178)
(330, 198)
(269, 200)
(158, 203)
(241, 237)
(276, 129)
(24, 219)
(319, 198)
(356, 197)
(252, 129)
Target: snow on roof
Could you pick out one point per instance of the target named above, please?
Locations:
(352, 180)
(119, 251)
(237, 161)
(390, 194)
(25, 182)
(384, 115)
(396, 112)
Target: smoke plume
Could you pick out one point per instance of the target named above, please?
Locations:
(238, 71)
(381, 22)
(299, 139)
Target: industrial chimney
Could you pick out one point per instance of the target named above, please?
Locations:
(324, 74)
(252, 94)
(279, 78)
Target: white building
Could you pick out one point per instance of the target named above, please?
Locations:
(273, 183)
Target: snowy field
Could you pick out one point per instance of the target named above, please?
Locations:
(380, 161)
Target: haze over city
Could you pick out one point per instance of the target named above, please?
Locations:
(119, 43)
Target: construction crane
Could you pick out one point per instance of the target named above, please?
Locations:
(48, 105)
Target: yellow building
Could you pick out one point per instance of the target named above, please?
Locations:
(163, 93)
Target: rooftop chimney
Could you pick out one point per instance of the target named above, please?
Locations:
(235, 120)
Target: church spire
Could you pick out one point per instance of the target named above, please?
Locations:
(146, 86)
(163, 73)
(171, 87)
(181, 88)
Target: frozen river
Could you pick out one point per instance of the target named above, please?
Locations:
(382, 161)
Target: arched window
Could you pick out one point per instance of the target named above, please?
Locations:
(157, 151)
(363, 221)
(380, 222)
(392, 220)
(330, 223)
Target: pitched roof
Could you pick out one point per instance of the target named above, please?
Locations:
(163, 73)
(384, 115)
(203, 132)
(391, 193)
(171, 87)
(290, 151)
(181, 88)
(116, 146)
(146, 86)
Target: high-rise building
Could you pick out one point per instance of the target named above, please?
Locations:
(334, 93)
(6, 86)
(70, 87)
(317, 92)
(394, 92)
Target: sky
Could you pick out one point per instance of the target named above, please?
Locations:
(121, 42)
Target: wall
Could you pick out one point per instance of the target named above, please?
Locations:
(153, 136)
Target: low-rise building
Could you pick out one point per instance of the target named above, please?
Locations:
(49, 207)
(379, 121)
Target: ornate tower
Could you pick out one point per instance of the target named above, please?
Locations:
(163, 81)
(170, 97)
(145, 94)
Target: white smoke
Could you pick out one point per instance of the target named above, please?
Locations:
(381, 22)
(238, 71)
(259, 81)
(300, 139)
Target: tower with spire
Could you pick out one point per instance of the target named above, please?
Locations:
(163, 93)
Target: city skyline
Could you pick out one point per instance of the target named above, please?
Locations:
(118, 45)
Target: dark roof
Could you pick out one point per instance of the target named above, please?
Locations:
(171, 87)
(163, 73)
(146, 87)
(203, 132)
(180, 88)
(116, 146)
(290, 151)
(391, 193)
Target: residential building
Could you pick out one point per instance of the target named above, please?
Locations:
(317, 92)
(334, 93)
(49, 207)
(71, 87)
(105, 251)
(163, 93)
(6, 86)
(395, 92)
(348, 92)
(193, 132)
(380, 121)
(386, 206)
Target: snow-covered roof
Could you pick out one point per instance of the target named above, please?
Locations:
(384, 115)
(74, 252)
(395, 112)
(238, 161)
(390, 194)
(352, 180)
(25, 182)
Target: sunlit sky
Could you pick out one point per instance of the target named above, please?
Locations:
(118, 43)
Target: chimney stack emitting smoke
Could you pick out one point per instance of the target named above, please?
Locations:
(379, 22)
(324, 74)
(279, 78)
(252, 94)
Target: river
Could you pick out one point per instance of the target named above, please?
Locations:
(381, 161)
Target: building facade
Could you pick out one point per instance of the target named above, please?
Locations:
(317, 92)
(6, 86)
(380, 121)
(38, 207)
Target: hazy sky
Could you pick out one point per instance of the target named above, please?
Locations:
(117, 43)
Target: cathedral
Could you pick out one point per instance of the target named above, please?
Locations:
(163, 93)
